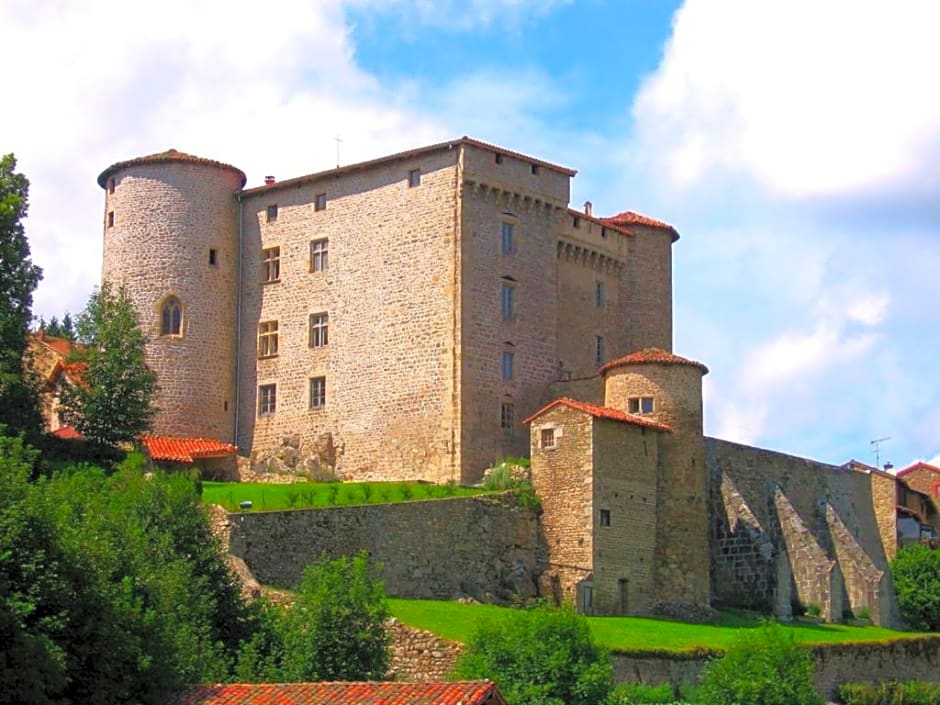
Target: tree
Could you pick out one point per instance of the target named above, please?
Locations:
(763, 666)
(540, 656)
(111, 402)
(19, 409)
(335, 631)
(915, 571)
(59, 329)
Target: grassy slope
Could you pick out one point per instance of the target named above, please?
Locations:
(270, 496)
(457, 621)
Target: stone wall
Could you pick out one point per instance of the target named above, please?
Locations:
(903, 659)
(482, 547)
(827, 515)
(419, 655)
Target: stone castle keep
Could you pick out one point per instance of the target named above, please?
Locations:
(424, 314)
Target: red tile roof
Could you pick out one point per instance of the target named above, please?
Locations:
(604, 222)
(61, 346)
(601, 412)
(634, 218)
(385, 693)
(651, 355)
(185, 450)
(168, 157)
(67, 432)
(921, 465)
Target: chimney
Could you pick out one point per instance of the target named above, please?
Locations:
(269, 180)
(889, 467)
(588, 206)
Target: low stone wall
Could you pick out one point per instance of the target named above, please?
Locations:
(483, 547)
(902, 659)
(417, 655)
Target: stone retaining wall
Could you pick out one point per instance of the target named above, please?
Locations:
(902, 660)
(484, 547)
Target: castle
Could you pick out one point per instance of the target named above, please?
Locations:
(410, 316)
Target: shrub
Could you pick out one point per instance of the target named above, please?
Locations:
(916, 575)
(891, 693)
(642, 694)
(763, 666)
(540, 656)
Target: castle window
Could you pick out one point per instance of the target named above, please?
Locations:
(414, 178)
(272, 212)
(507, 414)
(319, 255)
(508, 302)
(499, 158)
(509, 359)
(267, 339)
(213, 257)
(267, 399)
(605, 517)
(598, 350)
(110, 219)
(547, 438)
(640, 405)
(576, 221)
(508, 244)
(271, 264)
(598, 293)
(317, 392)
(111, 185)
(535, 169)
(319, 202)
(171, 317)
(319, 329)
(604, 233)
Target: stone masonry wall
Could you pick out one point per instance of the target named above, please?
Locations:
(562, 477)
(388, 291)
(626, 459)
(482, 547)
(166, 218)
(901, 660)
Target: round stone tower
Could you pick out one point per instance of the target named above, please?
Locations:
(658, 385)
(171, 240)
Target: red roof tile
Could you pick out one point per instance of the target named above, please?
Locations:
(601, 412)
(168, 157)
(651, 355)
(67, 432)
(185, 450)
(385, 693)
(633, 218)
(921, 465)
(60, 346)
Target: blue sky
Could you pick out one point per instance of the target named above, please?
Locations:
(793, 143)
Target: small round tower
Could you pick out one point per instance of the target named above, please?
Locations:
(658, 385)
(171, 240)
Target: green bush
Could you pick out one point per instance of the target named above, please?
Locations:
(763, 666)
(916, 575)
(891, 693)
(642, 694)
(539, 656)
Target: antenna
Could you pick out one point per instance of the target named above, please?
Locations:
(876, 449)
(337, 139)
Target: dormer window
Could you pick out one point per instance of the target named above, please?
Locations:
(640, 405)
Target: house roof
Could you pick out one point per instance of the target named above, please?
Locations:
(185, 450)
(634, 218)
(67, 433)
(170, 156)
(920, 465)
(601, 412)
(373, 693)
(651, 355)
(409, 154)
(61, 346)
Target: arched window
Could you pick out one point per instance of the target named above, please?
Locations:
(171, 317)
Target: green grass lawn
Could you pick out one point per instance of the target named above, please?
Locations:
(457, 621)
(301, 495)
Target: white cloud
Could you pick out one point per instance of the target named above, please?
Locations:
(806, 98)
